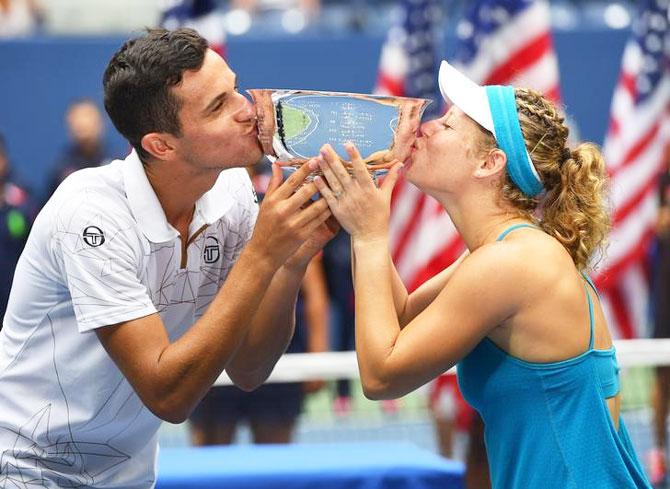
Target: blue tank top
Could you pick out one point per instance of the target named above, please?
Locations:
(547, 425)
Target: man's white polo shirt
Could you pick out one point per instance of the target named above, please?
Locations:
(102, 252)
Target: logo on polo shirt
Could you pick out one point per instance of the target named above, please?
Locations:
(93, 236)
(212, 251)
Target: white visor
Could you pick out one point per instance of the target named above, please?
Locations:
(466, 95)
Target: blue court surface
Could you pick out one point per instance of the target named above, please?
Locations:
(324, 466)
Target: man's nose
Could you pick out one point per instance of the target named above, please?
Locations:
(246, 111)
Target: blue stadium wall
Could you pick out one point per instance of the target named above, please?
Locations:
(39, 77)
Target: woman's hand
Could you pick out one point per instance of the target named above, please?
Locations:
(361, 208)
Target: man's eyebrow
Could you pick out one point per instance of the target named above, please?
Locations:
(219, 98)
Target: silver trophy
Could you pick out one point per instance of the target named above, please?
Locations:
(294, 124)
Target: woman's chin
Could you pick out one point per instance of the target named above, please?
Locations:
(414, 176)
(409, 162)
(409, 169)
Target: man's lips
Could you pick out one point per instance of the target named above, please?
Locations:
(252, 131)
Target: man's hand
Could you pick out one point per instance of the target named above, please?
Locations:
(315, 243)
(284, 222)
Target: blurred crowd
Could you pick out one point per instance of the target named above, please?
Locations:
(20, 204)
(19, 18)
(23, 18)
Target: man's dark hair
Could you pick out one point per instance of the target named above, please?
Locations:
(139, 78)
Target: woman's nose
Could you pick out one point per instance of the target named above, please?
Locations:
(428, 128)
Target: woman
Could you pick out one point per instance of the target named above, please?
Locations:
(517, 312)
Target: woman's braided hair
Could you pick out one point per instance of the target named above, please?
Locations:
(573, 209)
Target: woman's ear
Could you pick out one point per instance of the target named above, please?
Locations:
(492, 164)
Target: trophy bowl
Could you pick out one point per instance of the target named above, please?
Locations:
(294, 124)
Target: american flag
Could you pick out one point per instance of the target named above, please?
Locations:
(499, 42)
(201, 15)
(634, 147)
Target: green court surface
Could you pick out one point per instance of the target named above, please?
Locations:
(295, 121)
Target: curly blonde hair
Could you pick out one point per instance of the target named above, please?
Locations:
(573, 209)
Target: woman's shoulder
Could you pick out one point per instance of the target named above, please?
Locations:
(532, 257)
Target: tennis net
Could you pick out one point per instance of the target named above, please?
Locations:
(326, 418)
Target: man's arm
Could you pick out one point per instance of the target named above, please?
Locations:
(317, 304)
(171, 378)
(273, 324)
(317, 314)
(269, 333)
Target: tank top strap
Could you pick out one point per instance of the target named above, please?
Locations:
(591, 319)
(590, 282)
(513, 228)
(591, 314)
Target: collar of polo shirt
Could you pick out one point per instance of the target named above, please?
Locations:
(150, 214)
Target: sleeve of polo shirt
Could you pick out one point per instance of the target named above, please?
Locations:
(252, 202)
(248, 211)
(101, 255)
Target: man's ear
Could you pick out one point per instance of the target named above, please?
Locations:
(160, 145)
(493, 164)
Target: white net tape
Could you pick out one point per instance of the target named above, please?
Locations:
(300, 367)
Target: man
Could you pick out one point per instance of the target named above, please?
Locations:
(86, 146)
(142, 281)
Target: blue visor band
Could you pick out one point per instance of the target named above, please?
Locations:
(510, 139)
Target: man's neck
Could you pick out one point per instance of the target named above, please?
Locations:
(177, 192)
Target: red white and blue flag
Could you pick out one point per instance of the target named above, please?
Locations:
(499, 42)
(201, 15)
(634, 150)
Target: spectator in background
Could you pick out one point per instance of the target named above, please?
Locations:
(19, 18)
(310, 7)
(87, 146)
(290, 16)
(337, 264)
(272, 410)
(15, 217)
(452, 413)
(661, 394)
